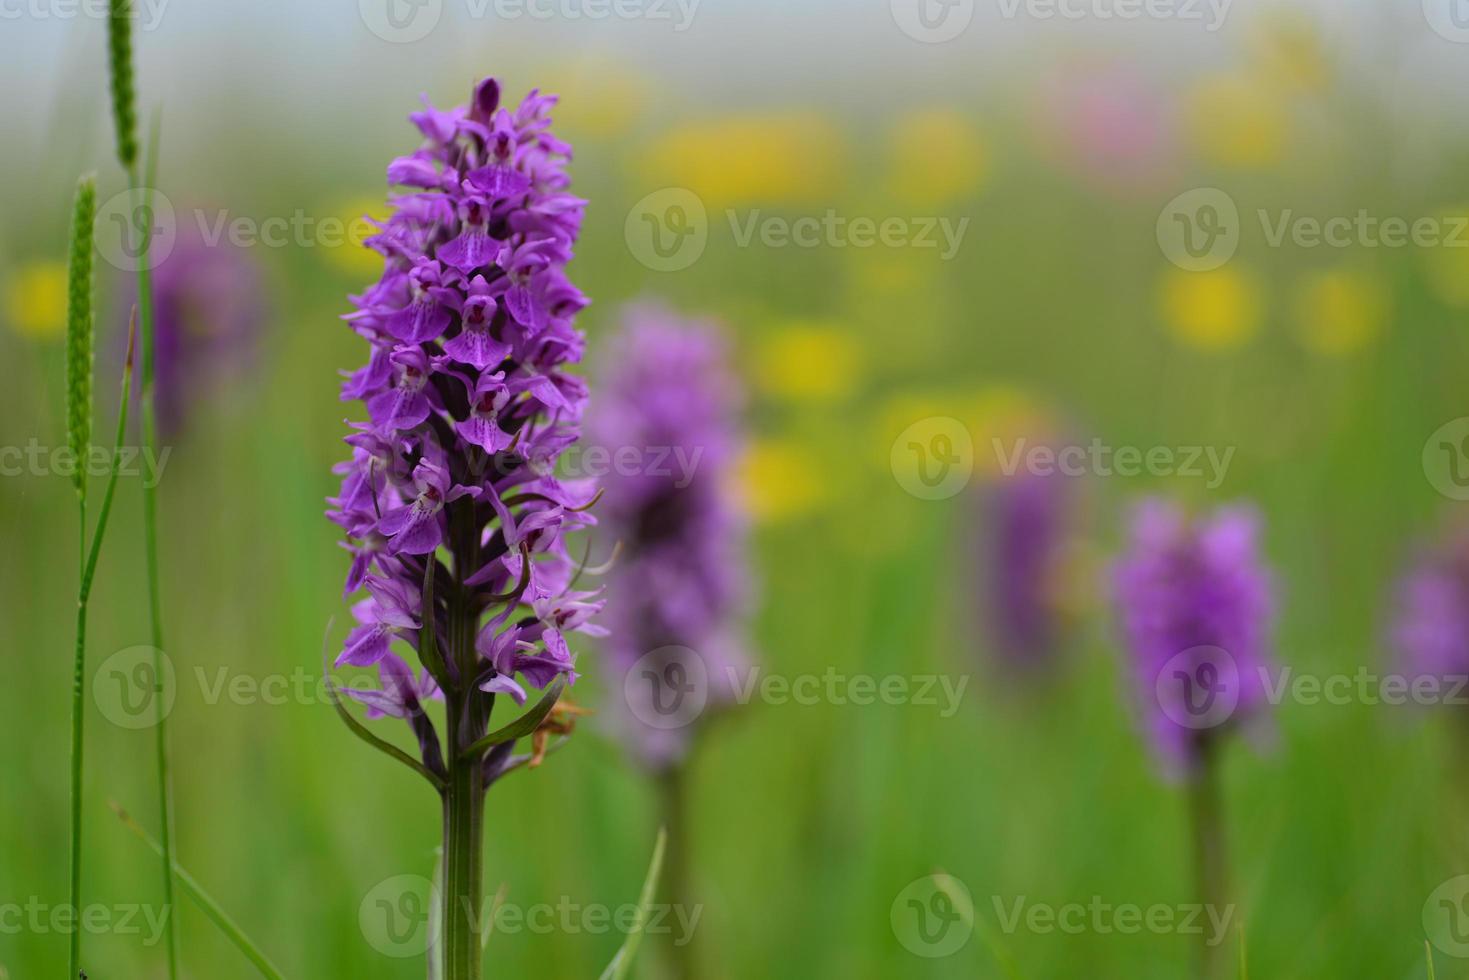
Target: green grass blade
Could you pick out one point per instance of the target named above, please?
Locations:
(210, 907)
(622, 962)
(1428, 951)
(142, 192)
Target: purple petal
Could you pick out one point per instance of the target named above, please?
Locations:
(505, 684)
(419, 322)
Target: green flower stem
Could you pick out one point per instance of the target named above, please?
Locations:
(672, 787)
(463, 889)
(1207, 816)
(464, 810)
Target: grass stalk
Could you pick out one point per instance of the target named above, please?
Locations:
(140, 181)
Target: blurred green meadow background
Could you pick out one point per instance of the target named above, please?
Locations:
(1056, 149)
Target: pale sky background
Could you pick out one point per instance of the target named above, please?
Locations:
(304, 65)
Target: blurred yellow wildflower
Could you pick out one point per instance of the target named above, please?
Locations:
(878, 272)
(35, 299)
(1338, 312)
(600, 96)
(1288, 48)
(808, 361)
(1447, 265)
(936, 157)
(349, 254)
(996, 417)
(1212, 311)
(1236, 120)
(1001, 416)
(790, 157)
(777, 480)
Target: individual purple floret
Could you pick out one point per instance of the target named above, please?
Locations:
(454, 517)
(1025, 535)
(1430, 624)
(668, 407)
(1195, 604)
(208, 311)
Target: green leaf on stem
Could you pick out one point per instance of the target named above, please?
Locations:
(522, 726)
(382, 745)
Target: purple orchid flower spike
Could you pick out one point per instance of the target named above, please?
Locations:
(1026, 532)
(1429, 631)
(455, 521)
(208, 319)
(1195, 602)
(680, 579)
